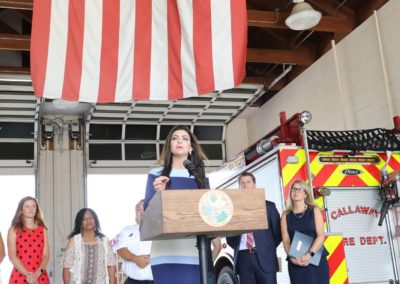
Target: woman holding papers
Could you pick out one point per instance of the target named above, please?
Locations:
(181, 167)
(304, 216)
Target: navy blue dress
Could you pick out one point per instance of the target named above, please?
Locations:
(310, 274)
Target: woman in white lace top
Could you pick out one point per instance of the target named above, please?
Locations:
(88, 258)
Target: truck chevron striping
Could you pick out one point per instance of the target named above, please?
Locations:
(292, 171)
(336, 259)
(334, 174)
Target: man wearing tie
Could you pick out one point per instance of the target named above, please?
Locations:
(255, 259)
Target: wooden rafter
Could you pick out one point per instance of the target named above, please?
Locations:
(14, 42)
(301, 56)
(15, 70)
(17, 4)
(276, 20)
(367, 10)
(329, 8)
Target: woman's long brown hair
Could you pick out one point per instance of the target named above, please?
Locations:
(18, 220)
(197, 156)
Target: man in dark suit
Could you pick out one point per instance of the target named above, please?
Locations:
(255, 259)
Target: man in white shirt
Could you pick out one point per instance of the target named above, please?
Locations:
(134, 252)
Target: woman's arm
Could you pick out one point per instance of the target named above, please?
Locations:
(2, 249)
(66, 275)
(319, 228)
(216, 247)
(111, 274)
(285, 234)
(111, 263)
(45, 257)
(12, 253)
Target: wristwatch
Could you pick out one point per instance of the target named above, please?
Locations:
(311, 253)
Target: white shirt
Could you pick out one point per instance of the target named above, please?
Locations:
(129, 238)
(243, 241)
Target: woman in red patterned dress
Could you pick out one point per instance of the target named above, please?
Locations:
(28, 248)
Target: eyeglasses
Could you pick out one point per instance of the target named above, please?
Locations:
(297, 189)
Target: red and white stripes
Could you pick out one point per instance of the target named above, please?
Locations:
(119, 50)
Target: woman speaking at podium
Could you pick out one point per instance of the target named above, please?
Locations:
(176, 261)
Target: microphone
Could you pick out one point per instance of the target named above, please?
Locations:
(190, 167)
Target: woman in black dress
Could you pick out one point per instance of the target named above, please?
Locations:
(304, 216)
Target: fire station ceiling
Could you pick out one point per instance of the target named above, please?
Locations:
(273, 49)
(17, 103)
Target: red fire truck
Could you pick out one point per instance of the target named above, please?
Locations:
(355, 181)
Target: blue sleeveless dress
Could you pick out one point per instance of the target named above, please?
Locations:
(306, 274)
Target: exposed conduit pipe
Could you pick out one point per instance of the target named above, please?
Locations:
(389, 97)
(277, 79)
(261, 92)
(345, 116)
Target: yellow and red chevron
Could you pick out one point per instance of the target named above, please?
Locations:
(331, 174)
(292, 172)
(336, 259)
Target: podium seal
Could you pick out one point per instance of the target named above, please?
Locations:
(216, 208)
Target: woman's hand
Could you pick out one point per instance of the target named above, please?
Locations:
(35, 276)
(31, 277)
(295, 261)
(160, 183)
(303, 260)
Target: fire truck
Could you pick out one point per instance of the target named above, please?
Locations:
(355, 180)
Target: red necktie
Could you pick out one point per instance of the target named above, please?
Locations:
(249, 241)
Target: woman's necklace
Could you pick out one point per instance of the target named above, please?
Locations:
(30, 226)
(89, 239)
(300, 215)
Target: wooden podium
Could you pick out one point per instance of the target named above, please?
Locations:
(177, 214)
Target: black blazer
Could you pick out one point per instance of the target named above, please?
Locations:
(266, 241)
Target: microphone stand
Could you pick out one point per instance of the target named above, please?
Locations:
(203, 243)
(203, 258)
